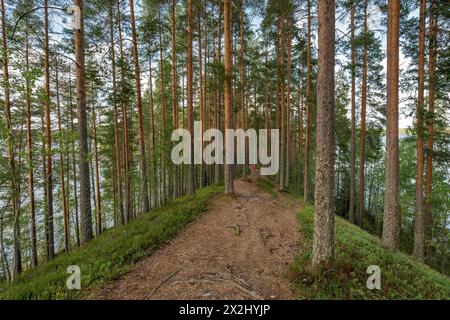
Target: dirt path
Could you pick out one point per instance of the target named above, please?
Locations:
(239, 249)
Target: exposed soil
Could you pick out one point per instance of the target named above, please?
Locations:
(239, 249)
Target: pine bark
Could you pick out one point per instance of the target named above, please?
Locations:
(229, 168)
(308, 112)
(202, 92)
(74, 170)
(323, 239)
(118, 179)
(282, 171)
(391, 218)
(14, 197)
(174, 95)
(218, 117)
(32, 204)
(430, 123)
(419, 228)
(61, 169)
(353, 119)
(86, 233)
(98, 207)
(362, 141)
(50, 242)
(289, 152)
(190, 105)
(137, 73)
(125, 134)
(242, 78)
(163, 193)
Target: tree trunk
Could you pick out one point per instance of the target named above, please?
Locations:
(17, 261)
(362, 141)
(125, 133)
(74, 172)
(61, 169)
(98, 209)
(430, 121)
(34, 253)
(174, 95)
(323, 240)
(202, 93)
(85, 189)
(137, 72)
(229, 168)
(50, 242)
(391, 218)
(300, 131)
(288, 105)
(152, 112)
(418, 250)
(308, 112)
(242, 78)
(118, 165)
(218, 92)
(353, 120)
(282, 171)
(190, 106)
(163, 119)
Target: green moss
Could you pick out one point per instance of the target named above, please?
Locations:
(402, 277)
(112, 254)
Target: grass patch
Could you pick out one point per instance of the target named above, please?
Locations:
(112, 254)
(268, 186)
(402, 277)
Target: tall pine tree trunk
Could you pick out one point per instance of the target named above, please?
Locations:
(61, 165)
(86, 232)
(74, 170)
(125, 133)
(418, 250)
(430, 122)
(118, 165)
(50, 242)
(174, 96)
(308, 112)
(362, 141)
(229, 168)
(14, 198)
(190, 102)
(98, 207)
(202, 93)
(391, 218)
(353, 120)
(323, 239)
(163, 115)
(218, 117)
(282, 171)
(34, 253)
(137, 73)
(288, 105)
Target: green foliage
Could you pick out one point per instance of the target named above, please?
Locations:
(401, 276)
(112, 254)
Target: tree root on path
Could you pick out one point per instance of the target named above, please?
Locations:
(164, 281)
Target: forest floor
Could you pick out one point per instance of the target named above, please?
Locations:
(240, 248)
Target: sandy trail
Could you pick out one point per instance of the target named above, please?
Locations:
(239, 249)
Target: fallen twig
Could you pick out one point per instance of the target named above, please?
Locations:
(164, 281)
